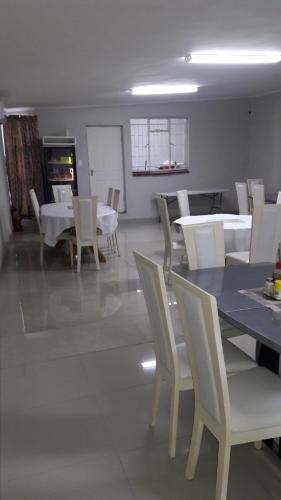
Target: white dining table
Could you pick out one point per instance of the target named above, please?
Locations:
(57, 217)
(237, 228)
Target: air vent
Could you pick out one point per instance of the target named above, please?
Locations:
(56, 140)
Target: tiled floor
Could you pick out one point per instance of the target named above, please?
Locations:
(75, 399)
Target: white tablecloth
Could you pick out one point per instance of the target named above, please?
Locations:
(57, 217)
(237, 229)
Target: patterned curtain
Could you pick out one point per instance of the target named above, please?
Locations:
(23, 161)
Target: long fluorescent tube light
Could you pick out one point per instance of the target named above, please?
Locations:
(164, 89)
(234, 58)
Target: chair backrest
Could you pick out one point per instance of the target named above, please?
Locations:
(165, 222)
(200, 326)
(116, 196)
(110, 197)
(153, 285)
(242, 197)
(266, 233)
(36, 207)
(258, 194)
(85, 215)
(61, 193)
(204, 245)
(251, 182)
(279, 198)
(183, 202)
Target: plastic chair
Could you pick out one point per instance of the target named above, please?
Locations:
(171, 247)
(172, 365)
(258, 195)
(243, 408)
(85, 215)
(265, 237)
(116, 196)
(62, 193)
(279, 198)
(242, 197)
(183, 202)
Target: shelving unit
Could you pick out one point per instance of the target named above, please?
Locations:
(59, 163)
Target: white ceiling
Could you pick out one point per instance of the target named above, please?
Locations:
(90, 52)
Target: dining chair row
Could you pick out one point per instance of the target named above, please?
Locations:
(85, 222)
(236, 400)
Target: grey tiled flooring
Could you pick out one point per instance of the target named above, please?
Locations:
(75, 399)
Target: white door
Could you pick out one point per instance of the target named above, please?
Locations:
(106, 161)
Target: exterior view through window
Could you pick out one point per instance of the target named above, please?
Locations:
(159, 145)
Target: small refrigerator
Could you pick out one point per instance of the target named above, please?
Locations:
(59, 164)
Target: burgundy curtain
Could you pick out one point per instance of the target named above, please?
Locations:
(23, 161)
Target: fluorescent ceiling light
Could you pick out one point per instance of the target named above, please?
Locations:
(164, 89)
(234, 58)
(149, 365)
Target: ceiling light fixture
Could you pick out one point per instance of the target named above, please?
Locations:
(233, 58)
(164, 89)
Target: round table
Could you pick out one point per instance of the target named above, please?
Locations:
(237, 229)
(57, 217)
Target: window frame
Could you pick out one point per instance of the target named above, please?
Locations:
(152, 170)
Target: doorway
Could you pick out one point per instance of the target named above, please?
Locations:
(106, 165)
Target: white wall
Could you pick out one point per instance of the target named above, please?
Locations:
(5, 220)
(265, 140)
(218, 146)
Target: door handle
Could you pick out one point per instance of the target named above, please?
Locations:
(92, 172)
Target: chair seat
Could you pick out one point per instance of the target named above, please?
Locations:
(233, 258)
(255, 400)
(235, 359)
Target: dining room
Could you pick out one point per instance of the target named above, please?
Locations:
(140, 250)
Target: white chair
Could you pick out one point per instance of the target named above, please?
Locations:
(243, 408)
(250, 183)
(242, 197)
(171, 247)
(110, 195)
(265, 237)
(62, 237)
(172, 364)
(85, 215)
(279, 198)
(116, 196)
(204, 245)
(62, 193)
(258, 195)
(183, 202)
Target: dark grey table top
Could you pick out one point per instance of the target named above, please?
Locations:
(248, 315)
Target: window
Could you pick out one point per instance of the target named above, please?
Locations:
(159, 145)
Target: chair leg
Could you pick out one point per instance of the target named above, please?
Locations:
(116, 243)
(96, 252)
(156, 397)
(71, 252)
(258, 445)
(173, 421)
(41, 252)
(195, 445)
(78, 258)
(223, 470)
